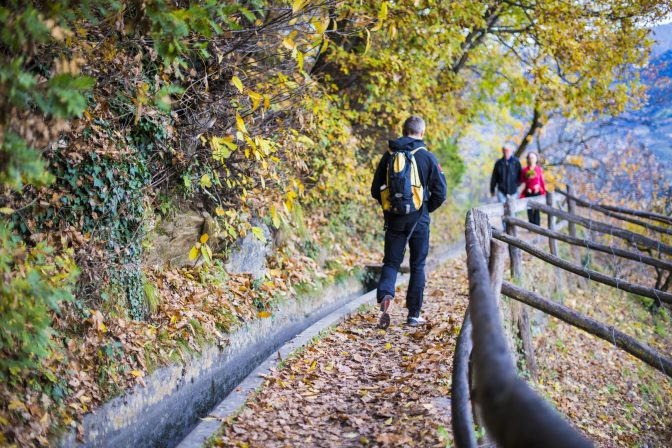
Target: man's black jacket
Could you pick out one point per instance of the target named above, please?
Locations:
(431, 176)
(505, 175)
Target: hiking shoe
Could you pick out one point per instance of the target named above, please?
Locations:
(413, 321)
(384, 321)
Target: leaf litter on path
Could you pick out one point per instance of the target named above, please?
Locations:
(361, 386)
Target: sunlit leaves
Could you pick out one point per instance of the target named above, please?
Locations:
(382, 15)
(206, 252)
(202, 249)
(321, 25)
(275, 217)
(298, 5)
(256, 99)
(288, 41)
(259, 234)
(237, 83)
(240, 124)
(222, 147)
(299, 60)
(205, 181)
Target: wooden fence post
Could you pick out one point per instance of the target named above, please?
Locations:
(519, 314)
(553, 243)
(514, 253)
(571, 226)
(496, 267)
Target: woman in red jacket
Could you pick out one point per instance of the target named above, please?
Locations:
(533, 178)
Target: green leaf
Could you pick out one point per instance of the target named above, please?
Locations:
(259, 233)
(206, 252)
(222, 147)
(275, 217)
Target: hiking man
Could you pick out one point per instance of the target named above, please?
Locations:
(409, 184)
(505, 174)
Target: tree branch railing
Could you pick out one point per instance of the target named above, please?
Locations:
(602, 331)
(608, 229)
(642, 214)
(600, 208)
(485, 383)
(583, 272)
(588, 244)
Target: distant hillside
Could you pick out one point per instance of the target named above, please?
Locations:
(652, 124)
(649, 127)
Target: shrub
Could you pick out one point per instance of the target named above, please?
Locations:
(34, 284)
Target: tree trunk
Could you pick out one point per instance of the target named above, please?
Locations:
(534, 125)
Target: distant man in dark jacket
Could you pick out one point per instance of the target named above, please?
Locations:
(505, 174)
(411, 229)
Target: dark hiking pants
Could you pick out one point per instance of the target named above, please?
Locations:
(395, 247)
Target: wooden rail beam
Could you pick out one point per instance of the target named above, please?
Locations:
(632, 237)
(603, 210)
(462, 419)
(652, 261)
(496, 209)
(583, 272)
(629, 211)
(514, 253)
(642, 214)
(608, 333)
(514, 414)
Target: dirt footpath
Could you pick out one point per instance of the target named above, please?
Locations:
(361, 386)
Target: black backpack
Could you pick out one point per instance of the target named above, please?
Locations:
(403, 194)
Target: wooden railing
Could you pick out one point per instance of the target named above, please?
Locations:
(486, 386)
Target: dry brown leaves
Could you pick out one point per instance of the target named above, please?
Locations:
(361, 386)
(104, 356)
(611, 396)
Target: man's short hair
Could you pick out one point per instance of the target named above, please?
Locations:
(414, 125)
